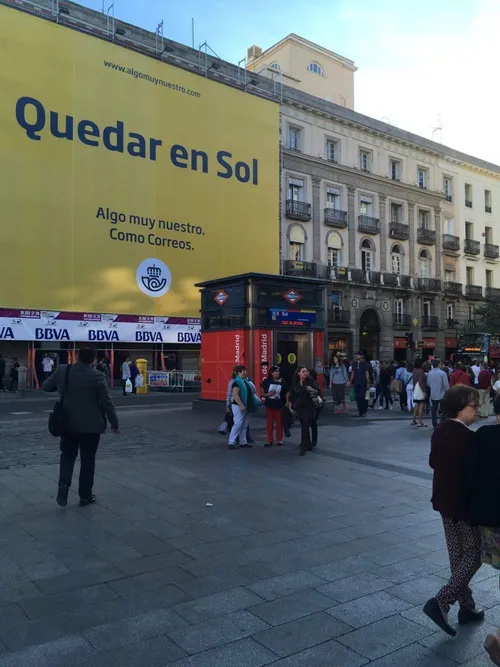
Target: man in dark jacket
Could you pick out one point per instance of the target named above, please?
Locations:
(87, 403)
(360, 378)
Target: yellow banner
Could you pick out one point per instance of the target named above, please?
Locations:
(123, 180)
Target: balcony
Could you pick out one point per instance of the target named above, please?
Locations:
(335, 218)
(298, 210)
(448, 198)
(487, 209)
(368, 225)
(451, 287)
(339, 318)
(451, 242)
(391, 279)
(405, 282)
(429, 284)
(451, 323)
(337, 272)
(294, 267)
(473, 291)
(492, 293)
(398, 230)
(426, 236)
(468, 203)
(472, 247)
(491, 251)
(402, 320)
(430, 322)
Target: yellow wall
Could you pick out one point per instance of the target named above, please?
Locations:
(66, 203)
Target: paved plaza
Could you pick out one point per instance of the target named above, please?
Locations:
(196, 556)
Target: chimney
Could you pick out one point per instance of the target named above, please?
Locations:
(253, 52)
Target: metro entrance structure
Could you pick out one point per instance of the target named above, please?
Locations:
(259, 320)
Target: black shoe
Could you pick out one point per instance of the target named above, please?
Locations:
(434, 612)
(250, 441)
(62, 495)
(268, 444)
(247, 446)
(87, 501)
(287, 433)
(466, 616)
(302, 451)
(309, 448)
(315, 444)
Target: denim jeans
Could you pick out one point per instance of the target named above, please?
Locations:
(240, 426)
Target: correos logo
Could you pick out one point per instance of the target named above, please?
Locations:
(153, 277)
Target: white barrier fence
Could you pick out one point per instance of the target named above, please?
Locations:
(174, 380)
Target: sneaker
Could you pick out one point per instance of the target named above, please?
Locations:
(345, 407)
(87, 501)
(380, 407)
(250, 441)
(287, 433)
(337, 411)
(280, 444)
(62, 495)
(438, 616)
(268, 444)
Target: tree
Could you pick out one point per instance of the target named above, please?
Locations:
(488, 315)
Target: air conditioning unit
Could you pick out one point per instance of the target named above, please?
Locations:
(253, 52)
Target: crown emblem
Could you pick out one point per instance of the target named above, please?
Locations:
(154, 271)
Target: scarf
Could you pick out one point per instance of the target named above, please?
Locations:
(244, 386)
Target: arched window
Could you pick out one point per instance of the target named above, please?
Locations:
(334, 250)
(315, 68)
(425, 264)
(275, 66)
(366, 255)
(297, 244)
(397, 260)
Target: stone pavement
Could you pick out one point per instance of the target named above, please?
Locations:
(320, 561)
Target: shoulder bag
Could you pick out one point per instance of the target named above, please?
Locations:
(57, 416)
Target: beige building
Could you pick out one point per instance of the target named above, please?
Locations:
(403, 227)
(308, 67)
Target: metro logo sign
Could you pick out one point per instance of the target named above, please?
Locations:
(221, 298)
(292, 296)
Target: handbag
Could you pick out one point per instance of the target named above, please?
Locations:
(395, 386)
(418, 394)
(317, 402)
(57, 416)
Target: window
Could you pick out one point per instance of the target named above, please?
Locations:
(487, 201)
(397, 260)
(489, 278)
(334, 251)
(297, 244)
(315, 68)
(295, 189)
(366, 255)
(427, 310)
(424, 219)
(333, 198)
(468, 195)
(395, 170)
(275, 66)
(365, 160)
(449, 226)
(366, 206)
(469, 272)
(472, 312)
(449, 276)
(469, 230)
(332, 150)
(396, 213)
(422, 177)
(488, 234)
(294, 138)
(425, 264)
(449, 312)
(448, 188)
(398, 311)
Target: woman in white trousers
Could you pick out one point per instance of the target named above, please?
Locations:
(242, 392)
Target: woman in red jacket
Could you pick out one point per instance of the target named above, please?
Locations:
(450, 445)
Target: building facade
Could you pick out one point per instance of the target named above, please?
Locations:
(402, 227)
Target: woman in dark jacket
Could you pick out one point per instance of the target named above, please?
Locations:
(303, 399)
(419, 395)
(448, 458)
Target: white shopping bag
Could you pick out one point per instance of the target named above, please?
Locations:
(128, 387)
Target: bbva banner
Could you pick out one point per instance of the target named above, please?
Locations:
(95, 328)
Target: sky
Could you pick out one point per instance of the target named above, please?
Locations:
(421, 64)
